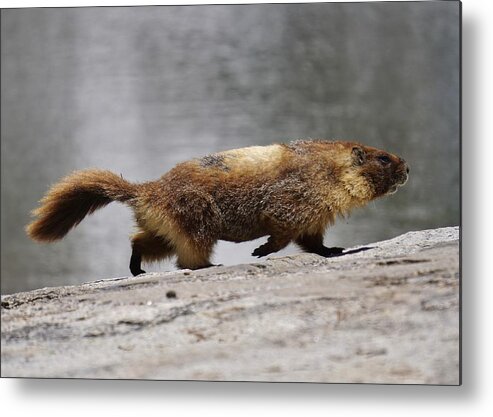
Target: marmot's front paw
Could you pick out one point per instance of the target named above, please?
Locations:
(260, 251)
(328, 252)
(336, 250)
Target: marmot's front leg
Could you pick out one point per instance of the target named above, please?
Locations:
(274, 243)
(315, 244)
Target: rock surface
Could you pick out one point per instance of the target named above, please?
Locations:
(387, 313)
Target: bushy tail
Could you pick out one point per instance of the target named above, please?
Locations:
(75, 196)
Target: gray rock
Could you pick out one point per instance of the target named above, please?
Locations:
(386, 313)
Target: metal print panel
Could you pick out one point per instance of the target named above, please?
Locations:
(288, 176)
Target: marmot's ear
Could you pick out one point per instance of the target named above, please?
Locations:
(359, 155)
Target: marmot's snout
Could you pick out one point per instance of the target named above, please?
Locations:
(401, 175)
(403, 172)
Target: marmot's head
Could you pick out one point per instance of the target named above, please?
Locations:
(383, 171)
(365, 173)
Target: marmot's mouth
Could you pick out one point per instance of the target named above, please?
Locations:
(403, 180)
(400, 182)
(393, 189)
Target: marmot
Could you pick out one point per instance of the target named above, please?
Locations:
(289, 192)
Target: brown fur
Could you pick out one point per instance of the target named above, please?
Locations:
(70, 200)
(287, 192)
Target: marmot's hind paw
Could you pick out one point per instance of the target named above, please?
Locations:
(136, 272)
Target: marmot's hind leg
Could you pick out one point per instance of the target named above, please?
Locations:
(148, 248)
(315, 244)
(193, 254)
(198, 223)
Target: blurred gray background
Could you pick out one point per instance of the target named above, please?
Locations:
(137, 90)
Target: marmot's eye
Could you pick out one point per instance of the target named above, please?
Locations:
(384, 159)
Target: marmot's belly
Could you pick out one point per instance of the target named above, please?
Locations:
(241, 235)
(239, 226)
(242, 230)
